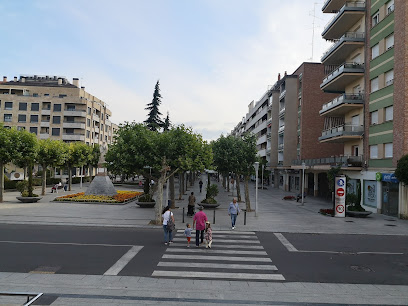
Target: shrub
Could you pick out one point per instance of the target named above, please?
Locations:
(212, 191)
(22, 186)
(145, 198)
(52, 180)
(209, 201)
(10, 184)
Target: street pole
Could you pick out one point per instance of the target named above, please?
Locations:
(262, 175)
(303, 183)
(256, 165)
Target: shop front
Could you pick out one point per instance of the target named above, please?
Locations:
(389, 193)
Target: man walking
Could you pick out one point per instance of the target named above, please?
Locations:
(200, 218)
(233, 211)
(191, 204)
(201, 185)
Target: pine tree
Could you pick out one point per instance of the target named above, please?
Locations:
(153, 120)
(167, 123)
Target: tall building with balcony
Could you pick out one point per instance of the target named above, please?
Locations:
(51, 107)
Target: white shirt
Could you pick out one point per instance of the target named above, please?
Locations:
(166, 217)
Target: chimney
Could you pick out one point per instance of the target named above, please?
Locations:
(15, 79)
(59, 81)
(23, 79)
(285, 73)
(278, 76)
(75, 82)
(82, 87)
(4, 79)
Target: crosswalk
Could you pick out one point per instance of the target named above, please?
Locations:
(234, 256)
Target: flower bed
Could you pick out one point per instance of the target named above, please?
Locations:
(327, 212)
(121, 197)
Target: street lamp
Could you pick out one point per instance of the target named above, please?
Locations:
(303, 183)
(256, 166)
(263, 166)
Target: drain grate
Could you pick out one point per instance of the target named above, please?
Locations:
(390, 225)
(361, 269)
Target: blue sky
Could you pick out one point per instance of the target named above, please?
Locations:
(212, 57)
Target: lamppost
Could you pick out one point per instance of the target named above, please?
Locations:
(303, 183)
(263, 166)
(256, 166)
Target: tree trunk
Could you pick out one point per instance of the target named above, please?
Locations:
(247, 201)
(25, 173)
(187, 179)
(159, 201)
(69, 178)
(30, 180)
(1, 181)
(172, 192)
(44, 179)
(228, 183)
(180, 185)
(238, 188)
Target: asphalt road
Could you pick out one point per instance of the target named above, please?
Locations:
(305, 257)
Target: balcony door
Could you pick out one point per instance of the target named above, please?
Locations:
(355, 122)
(355, 151)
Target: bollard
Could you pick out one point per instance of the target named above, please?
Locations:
(214, 217)
(245, 217)
(183, 214)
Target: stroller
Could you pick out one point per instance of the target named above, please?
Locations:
(190, 210)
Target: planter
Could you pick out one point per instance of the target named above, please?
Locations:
(29, 199)
(146, 204)
(358, 214)
(209, 206)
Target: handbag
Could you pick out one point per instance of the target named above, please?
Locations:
(170, 224)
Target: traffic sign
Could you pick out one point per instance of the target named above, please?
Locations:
(340, 208)
(340, 192)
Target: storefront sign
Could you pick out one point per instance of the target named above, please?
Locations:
(340, 197)
(386, 177)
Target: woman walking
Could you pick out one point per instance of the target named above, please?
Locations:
(168, 231)
(233, 211)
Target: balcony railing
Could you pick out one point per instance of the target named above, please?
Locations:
(281, 129)
(342, 130)
(281, 146)
(282, 94)
(342, 99)
(345, 161)
(343, 68)
(282, 111)
(349, 36)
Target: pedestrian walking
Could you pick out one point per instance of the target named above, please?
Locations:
(201, 185)
(233, 211)
(208, 235)
(200, 218)
(168, 224)
(191, 204)
(187, 233)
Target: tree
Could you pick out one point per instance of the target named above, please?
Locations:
(51, 153)
(78, 156)
(167, 123)
(153, 120)
(401, 172)
(7, 151)
(94, 156)
(26, 146)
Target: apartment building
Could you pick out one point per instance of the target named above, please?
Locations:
(51, 107)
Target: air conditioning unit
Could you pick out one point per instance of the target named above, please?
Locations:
(17, 176)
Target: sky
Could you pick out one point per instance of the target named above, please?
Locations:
(212, 57)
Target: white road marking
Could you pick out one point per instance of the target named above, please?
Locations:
(216, 265)
(209, 251)
(226, 232)
(66, 243)
(225, 241)
(220, 246)
(190, 274)
(123, 261)
(285, 242)
(226, 258)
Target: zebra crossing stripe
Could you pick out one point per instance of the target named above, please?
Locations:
(226, 241)
(232, 237)
(222, 246)
(226, 232)
(237, 252)
(226, 258)
(190, 274)
(216, 265)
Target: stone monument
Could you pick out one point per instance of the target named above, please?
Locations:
(101, 184)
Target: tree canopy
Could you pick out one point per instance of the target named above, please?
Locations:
(401, 172)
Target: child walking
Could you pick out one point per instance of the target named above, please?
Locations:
(208, 235)
(187, 233)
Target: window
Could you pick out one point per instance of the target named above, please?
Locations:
(34, 130)
(8, 117)
(374, 84)
(35, 94)
(46, 106)
(389, 113)
(374, 151)
(389, 42)
(69, 131)
(70, 107)
(57, 107)
(390, 6)
(89, 111)
(35, 107)
(389, 77)
(374, 117)
(22, 106)
(56, 119)
(388, 150)
(8, 105)
(106, 138)
(375, 19)
(375, 51)
(61, 96)
(106, 128)
(33, 118)
(101, 127)
(46, 95)
(355, 120)
(20, 128)
(22, 118)
(55, 132)
(87, 134)
(88, 122)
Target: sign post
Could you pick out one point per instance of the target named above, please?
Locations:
(340, 196)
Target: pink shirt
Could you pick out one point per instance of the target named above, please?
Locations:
(200, 219)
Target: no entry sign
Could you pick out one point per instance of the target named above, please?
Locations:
(340, 192)
(340, 197)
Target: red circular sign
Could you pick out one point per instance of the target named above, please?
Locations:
(340, 192)
(340, 208)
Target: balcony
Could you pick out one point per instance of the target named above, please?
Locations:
(75, 113)
(45, 124)
(96, 140)
(96, 129)
(282, 112)
(332, 6)
(73, 137)
(268, 135)
(344, 161)
(44, 135)
(46, 112)
(342, 105)
(343, 47)
(281, 146)
(73, 125)
(96, 117)
(281, 129)
(108, 122)
(342, 133)
(341, 76)
(348, 15)
(282, 94)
